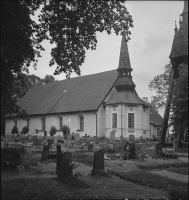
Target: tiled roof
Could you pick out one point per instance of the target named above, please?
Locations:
(127, 97)
(83, 93)
(155, 118)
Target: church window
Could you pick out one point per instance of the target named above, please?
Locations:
(114, 120)
(81, 122)
(43, 124)
(130, 120)
(60, 122)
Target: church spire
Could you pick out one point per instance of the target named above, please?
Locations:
(124, 81)
(124, 60)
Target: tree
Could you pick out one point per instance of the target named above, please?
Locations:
(48, 79)
(160, 84)
(70, 25)
(179, 104)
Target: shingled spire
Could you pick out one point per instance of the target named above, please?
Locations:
(124, 81)
(180, 41)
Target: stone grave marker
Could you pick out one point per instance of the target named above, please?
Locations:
(44, 141)
(112, 136)
(35, 139)
(55, 139)
(45, 153)
(175, 145)
(66, 158)
(98, 163)
(90, 147)
(141, 139)
(49, 141)
(158, 149)
(78, 143)
(131, 138)
(77, 136)
(39, 143)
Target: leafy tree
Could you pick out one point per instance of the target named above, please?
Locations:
(25, 130)
(52, 130)
(48, 79)
(179, 106)
(160, 84)
(70, 25)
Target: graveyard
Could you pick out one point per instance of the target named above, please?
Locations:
(92, 168)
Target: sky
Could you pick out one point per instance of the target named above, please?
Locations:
(149, 47)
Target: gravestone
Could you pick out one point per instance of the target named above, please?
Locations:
(44, 141)
(55, 141)
(112, 136)
(49, 141)
(141, 139)
(78, 143)
(98, 163)
(69, 136)
(90, 147)
(131, 138)
(63, 170)
(69, 142)
(175, 145)
(158, 149)
(45, 153)
(35, 139)
(77, 136)
(39, 143)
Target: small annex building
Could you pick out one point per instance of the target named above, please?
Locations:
(93, 104)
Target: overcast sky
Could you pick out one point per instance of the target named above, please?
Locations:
(149, 47)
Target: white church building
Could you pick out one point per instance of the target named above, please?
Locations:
(93, 104)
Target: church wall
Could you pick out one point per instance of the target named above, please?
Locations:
(101, 121)
(72, 120)
(141, 121)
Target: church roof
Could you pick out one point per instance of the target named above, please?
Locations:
(84, 93)
(155, 118)
(127, 97)
(124, 60)
(180, 41)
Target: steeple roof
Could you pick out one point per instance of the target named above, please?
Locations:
(124, 60)
(180, 42)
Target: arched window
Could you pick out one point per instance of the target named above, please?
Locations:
(60, 122)
(43, 123)
(81, 122)
(28, 122)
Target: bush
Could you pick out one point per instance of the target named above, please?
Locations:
(14, 130)
(25, 130)
(12, 155)
(65, 130)
(52, 130)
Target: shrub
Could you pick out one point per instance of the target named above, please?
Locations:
(25, 130)
(65, 130)
(12, 155)
(52, 130)
(14, 130)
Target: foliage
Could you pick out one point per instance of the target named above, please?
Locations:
(179, 106)
(176, 189)
(65, 130)
(12, 155)
(72, 165)
(25, 130)
(70, 25)
(52, 130)
(14, 130)
(160, 84)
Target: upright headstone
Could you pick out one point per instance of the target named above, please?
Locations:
(63, 170)
(112, 136)
(69, 140)
(39, 143)
(90, 147)
(77, 136)
(58, 161)
(35, 139)
(55, 141)
(141, 139)
(44, 141)
(175, 145)
(131, 138)
(49, 141)
(158, 149)
(45, 153)
(98, 163)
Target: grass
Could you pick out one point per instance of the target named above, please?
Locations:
(84, 158)
(162, 166)
(180, 170)
(41, 188)
(176, 189)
